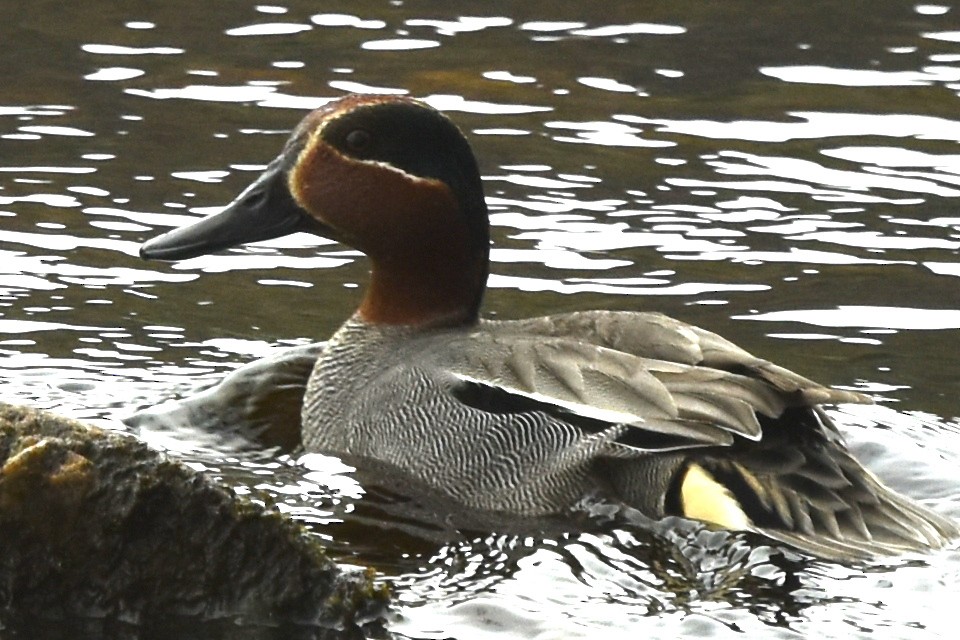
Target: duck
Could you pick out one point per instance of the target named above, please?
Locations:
(528, 416)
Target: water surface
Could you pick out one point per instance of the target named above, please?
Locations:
(785, 174)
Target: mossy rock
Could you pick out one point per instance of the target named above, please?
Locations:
(96, 524)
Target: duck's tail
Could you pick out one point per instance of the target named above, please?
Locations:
(810, 493)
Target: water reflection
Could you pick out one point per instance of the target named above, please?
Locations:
(768, 171)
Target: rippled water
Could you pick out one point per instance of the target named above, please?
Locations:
(786, 174)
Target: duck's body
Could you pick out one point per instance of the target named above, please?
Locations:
(527, 416)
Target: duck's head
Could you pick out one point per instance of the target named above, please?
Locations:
(389, 176)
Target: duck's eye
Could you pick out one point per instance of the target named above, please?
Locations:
(358, 140)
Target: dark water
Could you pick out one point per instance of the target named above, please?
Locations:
(786, 174)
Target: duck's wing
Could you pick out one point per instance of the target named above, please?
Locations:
(666, 405)
(675, 385)
(660, 337)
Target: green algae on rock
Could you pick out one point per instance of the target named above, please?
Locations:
(97, 524)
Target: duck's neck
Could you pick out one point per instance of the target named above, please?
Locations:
(439, 289)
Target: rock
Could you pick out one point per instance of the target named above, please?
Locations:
(96, 524)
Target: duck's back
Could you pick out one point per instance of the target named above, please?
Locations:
(528, 416)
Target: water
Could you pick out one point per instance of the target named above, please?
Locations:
(785, 174)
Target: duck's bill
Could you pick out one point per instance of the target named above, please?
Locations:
(265, 210)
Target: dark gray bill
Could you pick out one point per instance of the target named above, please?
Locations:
(265, 210)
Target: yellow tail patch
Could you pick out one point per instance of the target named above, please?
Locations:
(703, 498)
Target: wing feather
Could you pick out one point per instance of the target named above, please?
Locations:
(660, 337)
(698, 405)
